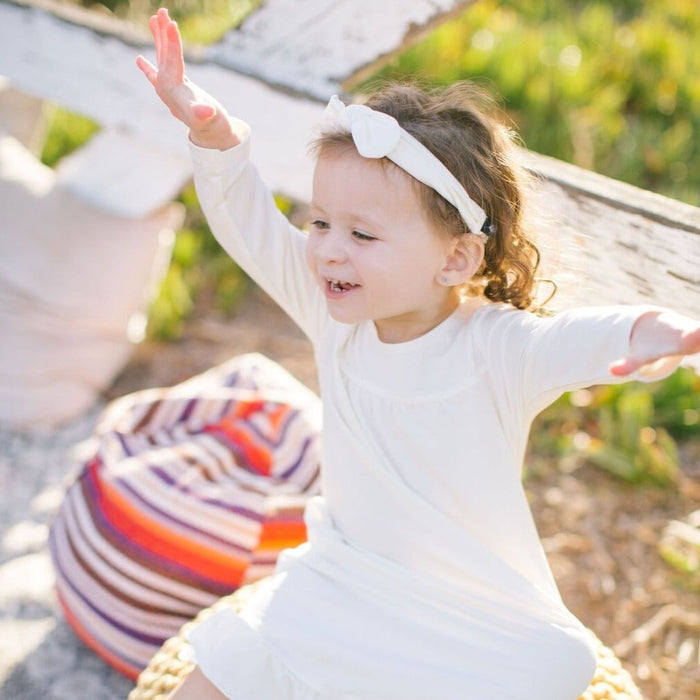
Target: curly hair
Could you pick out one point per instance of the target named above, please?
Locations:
(459, 125)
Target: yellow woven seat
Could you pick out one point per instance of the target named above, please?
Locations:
(166, 669)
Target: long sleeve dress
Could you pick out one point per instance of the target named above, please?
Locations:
(423, 577)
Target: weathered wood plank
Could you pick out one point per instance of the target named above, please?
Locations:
(94, 74)
(606, 242)
(315, 47)
(85, 62)
(311, 47)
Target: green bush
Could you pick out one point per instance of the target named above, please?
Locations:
(630, 429)
(612, 87)
(200, 270)
(65, 131)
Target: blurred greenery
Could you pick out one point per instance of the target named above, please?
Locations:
(610, 86)
(680, 548)
(628, 429)
(65, 131)
(199, 272)
(200, 21)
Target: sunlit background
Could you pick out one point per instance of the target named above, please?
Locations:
(612, 87)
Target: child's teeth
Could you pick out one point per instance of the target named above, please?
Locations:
(337, 286)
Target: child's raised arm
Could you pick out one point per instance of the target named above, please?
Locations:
(207, 120)
(658, 341)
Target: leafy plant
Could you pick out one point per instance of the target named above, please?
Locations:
(629, 429)
(65, 131)
(199, 270)
(680, 548)
(612, 87)
(201, 21)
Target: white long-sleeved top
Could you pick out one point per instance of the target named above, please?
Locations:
(423, 577)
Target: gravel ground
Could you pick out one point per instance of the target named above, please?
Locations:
(40, 657)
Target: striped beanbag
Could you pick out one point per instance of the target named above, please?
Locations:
(188, 493)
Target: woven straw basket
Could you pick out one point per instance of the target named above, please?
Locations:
(166, 669)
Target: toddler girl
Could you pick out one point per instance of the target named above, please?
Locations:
(423, 576)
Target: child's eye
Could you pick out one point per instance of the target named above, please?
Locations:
(362, 236)
(320, 224)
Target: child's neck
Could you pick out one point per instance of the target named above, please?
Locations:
(403, 331)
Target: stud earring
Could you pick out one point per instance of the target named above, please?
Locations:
(443, 280)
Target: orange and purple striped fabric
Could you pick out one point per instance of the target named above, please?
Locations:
(188, 493)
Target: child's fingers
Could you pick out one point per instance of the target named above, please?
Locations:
(162, 22)
(658, 342)
(690, 340)
(648, 367)
(154, 25)
(624, 367)
(148, 69)
(174, 57)
(168, 45)
(202, 112)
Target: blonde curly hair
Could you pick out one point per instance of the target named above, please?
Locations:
(459, 125)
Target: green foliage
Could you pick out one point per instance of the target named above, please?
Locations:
(612, 87)
(211, 23)
(65, 132)
(199, 270)
(201, 21)
(680, 548)
(629, 429)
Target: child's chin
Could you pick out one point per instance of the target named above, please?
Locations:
(346, 318)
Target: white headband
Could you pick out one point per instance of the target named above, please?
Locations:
(379, 135)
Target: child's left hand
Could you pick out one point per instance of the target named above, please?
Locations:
(658, 342)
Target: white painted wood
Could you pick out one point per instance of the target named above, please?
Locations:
(124, 176)
(606, 242)
(316, 46)
(96, 75)
(86, 63)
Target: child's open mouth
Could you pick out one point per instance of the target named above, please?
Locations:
(338, 286)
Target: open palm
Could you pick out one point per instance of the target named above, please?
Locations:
(206, 118)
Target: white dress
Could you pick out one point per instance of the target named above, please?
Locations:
(423, 577)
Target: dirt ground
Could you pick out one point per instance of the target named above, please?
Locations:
(601, 535)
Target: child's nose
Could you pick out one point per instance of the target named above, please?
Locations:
(331, 247)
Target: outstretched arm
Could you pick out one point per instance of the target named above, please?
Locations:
(658, 341)
(207, 120)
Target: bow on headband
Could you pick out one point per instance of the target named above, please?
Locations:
(379, 135)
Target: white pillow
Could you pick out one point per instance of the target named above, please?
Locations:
(73, 280)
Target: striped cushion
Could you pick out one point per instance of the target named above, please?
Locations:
(187, 494)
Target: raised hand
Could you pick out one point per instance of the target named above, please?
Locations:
(658, 342)
(207, 120)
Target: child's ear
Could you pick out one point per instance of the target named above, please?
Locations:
(464, 257)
